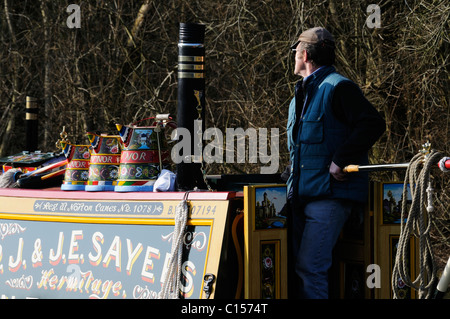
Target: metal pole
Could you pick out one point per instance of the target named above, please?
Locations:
(444, 165)
(374, 168)
(31, 124)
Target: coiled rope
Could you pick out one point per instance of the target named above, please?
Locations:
(418, 224)
(171, 281)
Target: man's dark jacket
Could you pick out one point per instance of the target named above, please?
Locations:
(330, 120)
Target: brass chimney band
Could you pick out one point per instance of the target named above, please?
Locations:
(195, 67)
(187, 58)
(183, 67)
(31, 108)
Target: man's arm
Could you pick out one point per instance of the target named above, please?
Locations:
(352, 108)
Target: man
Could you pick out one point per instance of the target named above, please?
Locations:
(330, 125)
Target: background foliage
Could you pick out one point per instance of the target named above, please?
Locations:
(121, 66)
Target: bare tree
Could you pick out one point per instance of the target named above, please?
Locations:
(121, 66)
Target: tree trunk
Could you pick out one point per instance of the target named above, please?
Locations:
(11, 110)
(47, 143)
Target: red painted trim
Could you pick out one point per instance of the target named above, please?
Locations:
(57, 193)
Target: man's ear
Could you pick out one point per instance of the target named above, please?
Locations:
(305, 56)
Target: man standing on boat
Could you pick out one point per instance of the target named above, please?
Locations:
(330, 125)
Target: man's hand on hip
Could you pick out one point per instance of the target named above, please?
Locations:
(337, 172)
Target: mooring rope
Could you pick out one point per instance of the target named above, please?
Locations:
(171, 280)
(416, 222)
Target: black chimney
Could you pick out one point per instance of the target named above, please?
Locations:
(191, 101)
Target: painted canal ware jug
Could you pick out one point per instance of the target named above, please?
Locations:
(144, 156)
(77, 169)
(104, 163)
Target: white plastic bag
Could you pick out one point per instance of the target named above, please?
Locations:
(165, 182)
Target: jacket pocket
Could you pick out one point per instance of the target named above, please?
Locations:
(314, 177)
(312, 129)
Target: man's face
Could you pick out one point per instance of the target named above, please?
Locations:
(300, 59)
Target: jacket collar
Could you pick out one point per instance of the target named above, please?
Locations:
(317, 77)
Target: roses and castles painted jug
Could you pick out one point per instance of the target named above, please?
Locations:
(77, 169)
(143, 157)
(104, 164)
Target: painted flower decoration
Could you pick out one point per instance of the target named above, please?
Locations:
(84, 175)
(113, 174)
(114, 149)
(109, 142)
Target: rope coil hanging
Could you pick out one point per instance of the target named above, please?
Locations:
(416, 222)
(171, 281)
